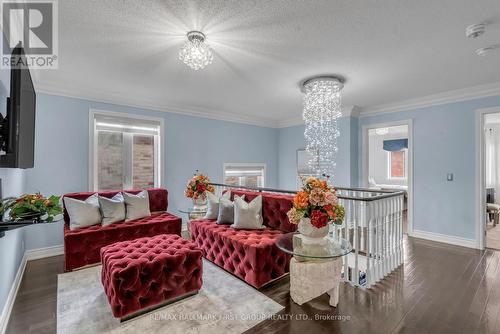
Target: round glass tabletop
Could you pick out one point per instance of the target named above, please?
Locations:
(299, 246)
(192, 210)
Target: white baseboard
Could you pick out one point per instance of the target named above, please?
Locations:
(40, 253)
(11, 297)
(448, 239)
(31, 254)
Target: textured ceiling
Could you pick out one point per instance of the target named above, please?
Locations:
(388, 50)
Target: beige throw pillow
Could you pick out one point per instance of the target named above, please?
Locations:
(82, 213)
(248, 215)
(137, 206)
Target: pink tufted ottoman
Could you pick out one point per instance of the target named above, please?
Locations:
(146, 273)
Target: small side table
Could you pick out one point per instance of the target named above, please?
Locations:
(193, 214)
(315, 269)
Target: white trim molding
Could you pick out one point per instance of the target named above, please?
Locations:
(136, 102)
(40, 253)
(31, 254)
(491, 89)
(480, 194)
(290, 122)
(347, 111)
(464, 94)
(92, 142)
(363, 166)
(11, 297)
(242, 164)
(447, 239)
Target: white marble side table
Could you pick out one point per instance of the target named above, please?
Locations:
(315, 268)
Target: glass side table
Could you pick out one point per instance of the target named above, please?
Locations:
(192, 214)
(315, 268)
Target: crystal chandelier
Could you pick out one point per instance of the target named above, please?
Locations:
(322, 108)
(196, 53)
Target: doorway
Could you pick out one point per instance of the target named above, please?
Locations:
(388, 162)
(491, 184)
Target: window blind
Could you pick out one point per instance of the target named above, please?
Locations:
(124, 124)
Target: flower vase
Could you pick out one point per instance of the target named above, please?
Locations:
(200, 203)
(310, 233)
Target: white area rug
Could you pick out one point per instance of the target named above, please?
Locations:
(224, 305)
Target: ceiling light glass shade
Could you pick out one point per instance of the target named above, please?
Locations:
(322, 109)
(196, 53)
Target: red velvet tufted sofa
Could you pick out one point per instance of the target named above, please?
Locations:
(82, 246)
(147, 272)
(249, 254)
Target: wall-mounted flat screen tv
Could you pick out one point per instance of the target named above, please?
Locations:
(17, 127)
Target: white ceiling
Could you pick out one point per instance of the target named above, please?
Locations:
(392, 50)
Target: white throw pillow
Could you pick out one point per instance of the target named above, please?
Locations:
(112, 209)
(213, 204)
(137, 206)
(248, 215)
(82, 213)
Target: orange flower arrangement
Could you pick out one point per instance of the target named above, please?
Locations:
(318, 202)
(197, 186)
(301, 200)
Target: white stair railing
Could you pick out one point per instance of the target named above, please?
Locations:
(373, 225)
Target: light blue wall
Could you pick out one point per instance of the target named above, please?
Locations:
(61, 153)
(292, 138)
(11, 245)
(443, 142)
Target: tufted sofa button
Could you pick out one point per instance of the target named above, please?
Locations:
(147, 271)
(249, 254)
(89, 240)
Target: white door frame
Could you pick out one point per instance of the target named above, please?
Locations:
(365, 161)
(480, 177)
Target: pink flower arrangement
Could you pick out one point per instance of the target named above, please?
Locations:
(317, 201)
(197, 186)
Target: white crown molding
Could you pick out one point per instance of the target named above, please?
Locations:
(464, 94)
(458, 95)
(134, 102)
(347, 111)
(448, 239)
(290, 122)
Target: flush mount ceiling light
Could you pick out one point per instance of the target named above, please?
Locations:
(475, 30)
(486, 50)
(322, 109)
(196, 53)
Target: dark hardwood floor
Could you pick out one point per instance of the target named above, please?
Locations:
(440, 289)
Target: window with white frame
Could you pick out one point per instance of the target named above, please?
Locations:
(248, 175)
(125, 151)
(396, 164)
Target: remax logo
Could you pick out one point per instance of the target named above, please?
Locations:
(32, 25)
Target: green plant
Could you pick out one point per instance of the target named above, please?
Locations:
(34, 204)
